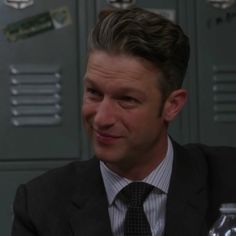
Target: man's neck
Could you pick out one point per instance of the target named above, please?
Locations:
(138, 169)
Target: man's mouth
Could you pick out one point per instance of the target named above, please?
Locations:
(106, 138)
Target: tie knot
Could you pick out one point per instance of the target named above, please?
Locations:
(134, 194)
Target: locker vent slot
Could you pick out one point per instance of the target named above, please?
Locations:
(35, 95)
(224, 91)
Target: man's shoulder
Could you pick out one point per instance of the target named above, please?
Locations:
(52, 191)
(213, 153)
(214, 157)
(64, 177)
(204, 149)
(219, 162)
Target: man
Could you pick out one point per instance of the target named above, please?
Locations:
(132, 91)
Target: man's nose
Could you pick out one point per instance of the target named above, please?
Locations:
(105, 114)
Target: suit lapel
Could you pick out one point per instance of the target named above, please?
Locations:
(89, 209)
(187, 197)
(186, 202)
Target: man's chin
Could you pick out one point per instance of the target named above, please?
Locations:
(107, 158)
(104, 158)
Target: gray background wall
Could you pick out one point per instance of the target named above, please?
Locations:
(29, 149)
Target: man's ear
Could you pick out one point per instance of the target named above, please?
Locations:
(174, 104)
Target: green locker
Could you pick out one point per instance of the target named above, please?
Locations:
(44, 46)
(38, 84)
(216, 37)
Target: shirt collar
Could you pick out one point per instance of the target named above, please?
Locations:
(159, 177)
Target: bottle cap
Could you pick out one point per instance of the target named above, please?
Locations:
(228, 208)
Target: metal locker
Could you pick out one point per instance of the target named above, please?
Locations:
(216, 38)
(39, 80)
(43, 55)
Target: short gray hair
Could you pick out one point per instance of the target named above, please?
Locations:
(141, 33)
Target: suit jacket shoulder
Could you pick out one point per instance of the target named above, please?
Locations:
(62, 202)
(221, 176)
(221, 169)
(201, 180)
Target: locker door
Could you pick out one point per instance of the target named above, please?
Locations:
(39, 81)
(43, 55)
(217, 73)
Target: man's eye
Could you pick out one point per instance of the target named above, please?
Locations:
(129, 102)
(93, 93)
(129, 99)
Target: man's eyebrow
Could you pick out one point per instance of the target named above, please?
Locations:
(120, 90)
(87, 80)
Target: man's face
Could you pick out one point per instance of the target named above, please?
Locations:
(121, 109)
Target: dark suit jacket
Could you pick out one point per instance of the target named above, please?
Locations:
(72, 201)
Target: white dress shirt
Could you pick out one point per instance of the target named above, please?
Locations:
(155, 203)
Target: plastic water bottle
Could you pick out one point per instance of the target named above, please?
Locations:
(226, 224)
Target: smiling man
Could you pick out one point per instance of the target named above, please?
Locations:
(140, 182)
(125, 113)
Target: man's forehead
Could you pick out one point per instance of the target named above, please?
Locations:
(124, 84)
